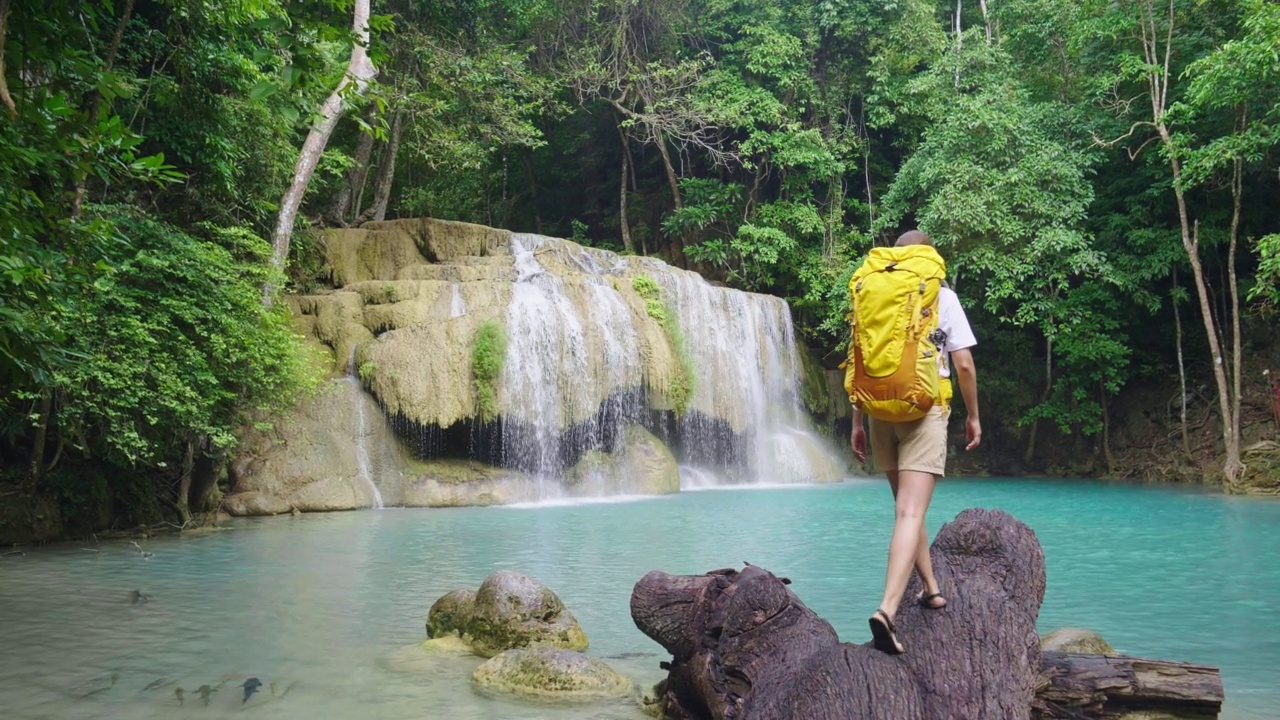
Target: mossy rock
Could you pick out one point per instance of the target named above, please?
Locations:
(449, 615)
(514, 611)
(1076, 640)
(551, 673)
(642, 464)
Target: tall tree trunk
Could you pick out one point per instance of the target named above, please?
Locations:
(42, 434)
(1158, 80)
(1191, 243)
(1044, 398)
(386, 174)
(624, 226)
(674, 183)
(533, 190)
(360, 72)
(5, 98)
(1237, 189)
(355, 175)
(986, 19)
(183, 503)
(1182, 373)
(1107, 455)
(82, 179)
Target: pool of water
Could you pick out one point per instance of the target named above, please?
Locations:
(322, 605)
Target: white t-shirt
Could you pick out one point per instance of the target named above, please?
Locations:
(957, 335)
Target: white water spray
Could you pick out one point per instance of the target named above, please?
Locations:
(362, 432)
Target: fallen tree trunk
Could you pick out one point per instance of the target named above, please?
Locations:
(744, 647)
(1074, 685)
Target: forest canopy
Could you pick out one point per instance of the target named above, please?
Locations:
(1101, 176)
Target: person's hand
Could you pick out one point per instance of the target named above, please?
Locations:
(972, 433)
(859, 442)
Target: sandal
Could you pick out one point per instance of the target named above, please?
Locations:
(926, 600)
(884, 636)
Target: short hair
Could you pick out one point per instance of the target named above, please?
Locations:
(913, 237)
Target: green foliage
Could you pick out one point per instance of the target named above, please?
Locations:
(646, 287)
(1267, 287)
(488, 352)
(188, 348)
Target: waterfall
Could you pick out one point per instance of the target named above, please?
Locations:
(362, 432)
(574, 373)
(457, 306)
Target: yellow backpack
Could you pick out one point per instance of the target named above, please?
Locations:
(892, 368)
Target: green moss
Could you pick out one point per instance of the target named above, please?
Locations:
(682, 386)
(367, 371)
(389, 291)
(487, 354)
(645, 287)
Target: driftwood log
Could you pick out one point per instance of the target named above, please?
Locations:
(744, 647)
(1075, 685)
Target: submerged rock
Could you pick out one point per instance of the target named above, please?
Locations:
(509, 611)
(550, 674)
(1078, 640)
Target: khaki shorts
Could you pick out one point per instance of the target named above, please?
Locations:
(917, 445)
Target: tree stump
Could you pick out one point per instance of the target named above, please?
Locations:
(744, 647)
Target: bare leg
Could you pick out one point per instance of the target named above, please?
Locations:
(923, 562)
(915, 489)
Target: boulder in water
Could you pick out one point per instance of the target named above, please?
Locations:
(550, 673)
(1076, 640)
(450, 614)
(641, 465)
(509, 611)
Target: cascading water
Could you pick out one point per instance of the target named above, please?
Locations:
(362, 431)
(574, 373)
(457, 306)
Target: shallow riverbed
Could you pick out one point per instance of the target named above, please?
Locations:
(319, 605)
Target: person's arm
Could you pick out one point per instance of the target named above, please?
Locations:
(967, 374)
(858, 438)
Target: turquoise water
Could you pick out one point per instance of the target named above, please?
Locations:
(323, 605)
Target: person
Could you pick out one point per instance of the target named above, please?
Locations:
(913, 455)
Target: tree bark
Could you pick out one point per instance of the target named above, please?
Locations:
(1182, 374)
(360, 72)
(1107, 455)
(386, 174)
(986, 19)
(1237, 189)
(341, 208)
(5, 98)
(183, 503)
(677, 241)
(624, 226)
(745, 647)
(1076, 685)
